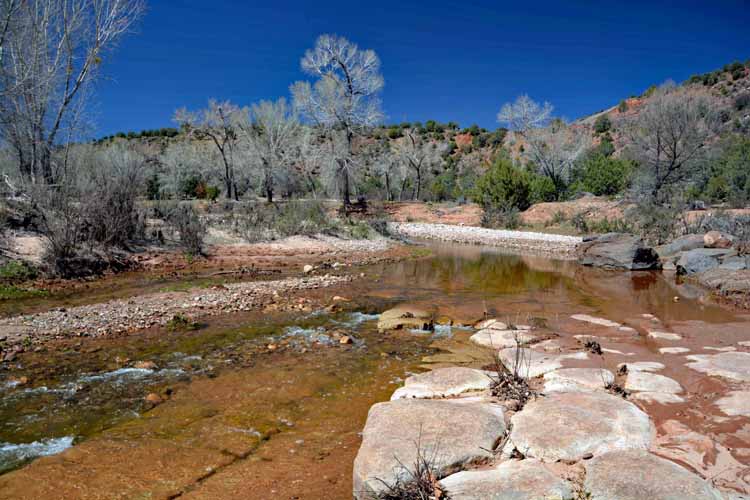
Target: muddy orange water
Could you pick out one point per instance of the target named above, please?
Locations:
(240, 420)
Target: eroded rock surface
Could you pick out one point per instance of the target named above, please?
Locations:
(618, 251)
(443, 382)
(639, 475)
(534, 363)
(569, 425)
(511, 480)
(731, 365)
(455, 432)
(500, 339)
(736, 403)
(405, 317)
(571, 379)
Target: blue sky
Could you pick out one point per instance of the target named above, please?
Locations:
(441, 60)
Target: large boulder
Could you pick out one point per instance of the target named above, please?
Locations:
(700, 260)
(511, 480)
(716, 239)
(455, 433)
(727, 282)
(639, 475)
(681, 244)
(443, 382)
(404, 316)
(618, 251)
(571, 425)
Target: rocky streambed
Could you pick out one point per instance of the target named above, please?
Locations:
(588, 425)
(272, 402)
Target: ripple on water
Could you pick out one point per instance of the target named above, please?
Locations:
(12, 455)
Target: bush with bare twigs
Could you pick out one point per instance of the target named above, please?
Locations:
(418, 482)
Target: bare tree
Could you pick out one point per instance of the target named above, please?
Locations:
(669, 137)
(272, 136)
(551, 144)
(187, 158)
(220, 123)
(50, 53)
(310, 158)
(419, 154)
(343, 98)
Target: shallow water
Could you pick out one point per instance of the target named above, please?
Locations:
(235, 398)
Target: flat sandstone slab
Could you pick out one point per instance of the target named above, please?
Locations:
(512, 480)
(736, 404)
(455, 432)
(501, 339)
(569, 425)
(443, 382)
(567, 379)
(534, 363)
(730, 365)
(639, 475)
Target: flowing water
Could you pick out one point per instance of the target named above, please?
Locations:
(284, 422)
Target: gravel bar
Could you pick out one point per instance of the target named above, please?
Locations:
(551, 244)
(115, 316)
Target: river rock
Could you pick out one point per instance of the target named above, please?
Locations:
(673, 350)
(455, 432)
(716, 239)
(534, 363)
(700, 260)
(571, 379)
(493, 323)
(735, 263)
(618, 251)
(730, 365)
(500, 339)
(726, 282)
(511, 480)
(654, 334)
(443, 382)
(595, 321)
(681, 244)
(642, 366)
(571, 425)
(736, 404)
(405, 316)
(639, 475)
(645, 381)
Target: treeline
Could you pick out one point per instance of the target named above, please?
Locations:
(325, 141)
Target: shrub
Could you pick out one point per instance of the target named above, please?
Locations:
(603, 175)
(542, 189)
(153, 187)
(16, 271)
(503, 187)
(501, 218)
(602, 124)
(212, 193)
(742, 101)
(186, 221)
(395, 132)
(267, 221)
(622, 107)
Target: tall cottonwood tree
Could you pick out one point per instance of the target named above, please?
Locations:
(221, 123)
(50, 54)
(551, 144)
(272, 136)
(343, 99)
